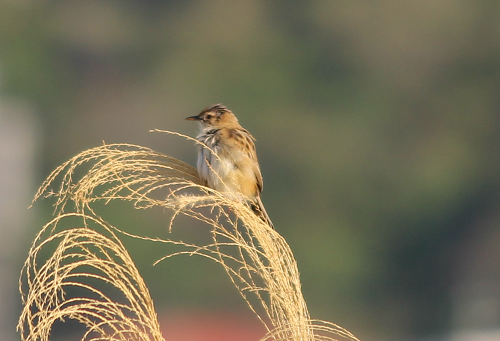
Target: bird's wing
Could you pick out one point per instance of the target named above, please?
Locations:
(252, 153)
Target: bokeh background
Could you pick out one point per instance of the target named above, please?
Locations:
(378, 133)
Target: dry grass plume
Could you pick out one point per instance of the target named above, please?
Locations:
(256, 258)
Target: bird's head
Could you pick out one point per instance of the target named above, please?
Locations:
(215, 116)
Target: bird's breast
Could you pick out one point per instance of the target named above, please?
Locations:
(226, 168)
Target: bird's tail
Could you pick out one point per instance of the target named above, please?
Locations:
(260, 211)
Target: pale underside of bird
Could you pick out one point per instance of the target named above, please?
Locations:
(227, 158)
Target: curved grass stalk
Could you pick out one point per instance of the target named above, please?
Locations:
(257, 259)
(77, 251)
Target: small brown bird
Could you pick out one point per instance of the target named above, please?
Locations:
(234, 170)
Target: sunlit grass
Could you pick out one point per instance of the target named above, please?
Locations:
(256, 258)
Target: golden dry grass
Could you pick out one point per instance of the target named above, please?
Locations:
(77, 251)
(257, 259)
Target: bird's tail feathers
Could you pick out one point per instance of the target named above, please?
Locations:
(260, 211)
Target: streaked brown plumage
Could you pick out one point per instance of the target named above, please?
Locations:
(234, 170)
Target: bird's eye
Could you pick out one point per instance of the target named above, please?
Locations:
(208, 117)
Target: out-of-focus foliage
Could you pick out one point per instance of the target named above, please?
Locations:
(377, 126)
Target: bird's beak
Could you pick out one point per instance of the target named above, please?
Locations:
(193, 118)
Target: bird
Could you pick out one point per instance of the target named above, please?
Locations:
(227, 158)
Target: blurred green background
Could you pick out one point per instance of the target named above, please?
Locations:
(377, 127)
